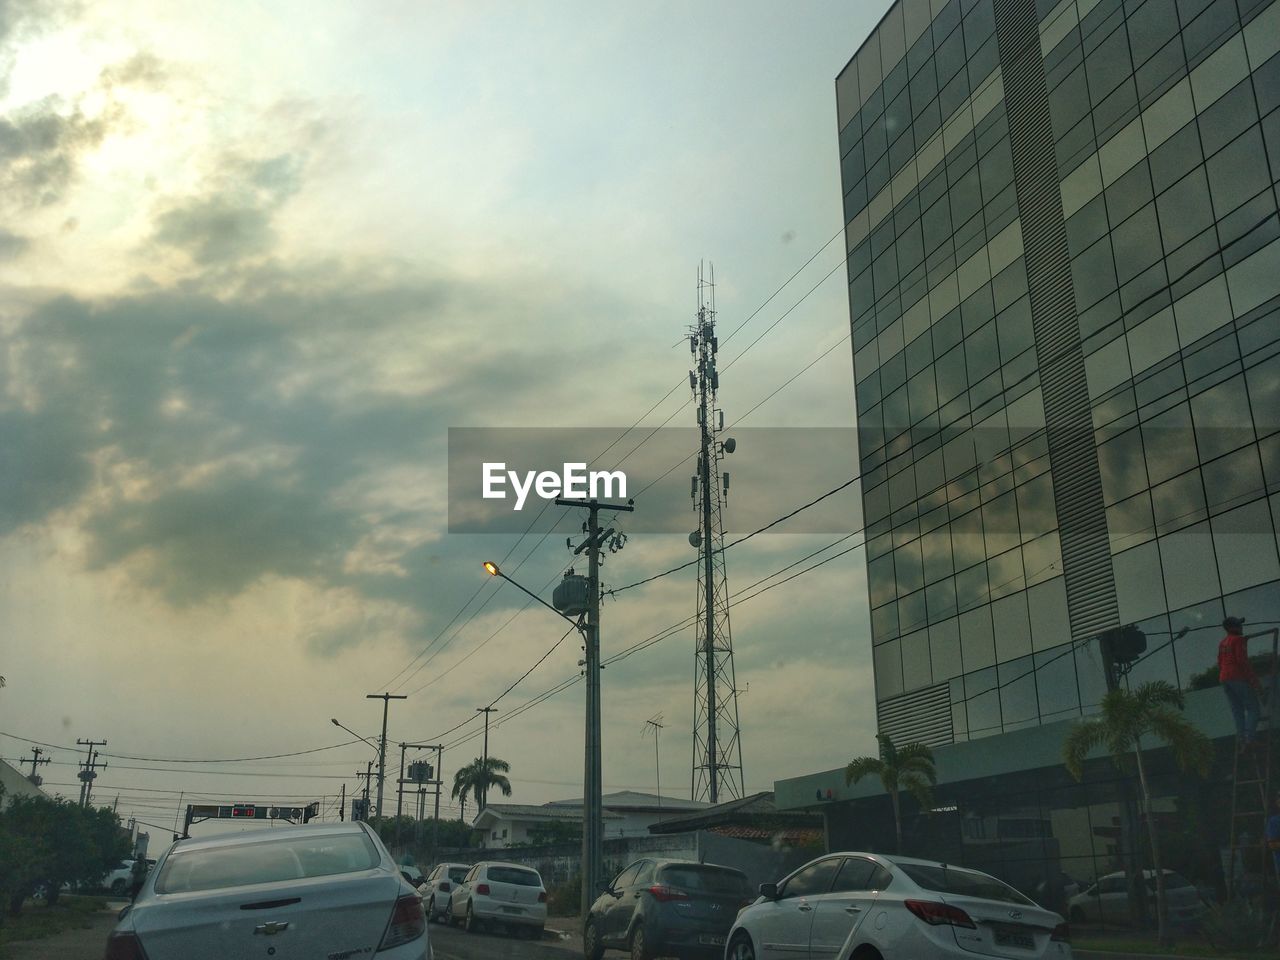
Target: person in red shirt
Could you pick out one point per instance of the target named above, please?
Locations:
(1238, 680)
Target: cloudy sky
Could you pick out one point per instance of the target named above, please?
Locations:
(256, 260)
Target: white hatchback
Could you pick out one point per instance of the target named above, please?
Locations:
(320, 890)
(851, 904)
(505, 893)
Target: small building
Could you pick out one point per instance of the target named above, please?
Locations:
(637, 811)
(755, 817)
(16, 784)
(512, 824)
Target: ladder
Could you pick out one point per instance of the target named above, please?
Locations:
(1251, 785)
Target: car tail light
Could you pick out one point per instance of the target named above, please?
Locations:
(937, 914)
(662, 893)
(125, 946)
(542, 896)
(408, 923)
(1061, 933)
(482, 889)
(444, 886)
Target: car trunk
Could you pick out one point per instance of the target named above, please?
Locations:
(703, 898)
(504, 891)
(302, 919)
(1003, 929)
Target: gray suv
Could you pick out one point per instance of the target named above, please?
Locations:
(659, 908)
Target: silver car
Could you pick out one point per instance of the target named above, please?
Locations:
(319, 890)
(897, 908)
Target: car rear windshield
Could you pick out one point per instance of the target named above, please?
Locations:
(458, 874)
(965, 883)
(715, 880)
(212, 868)
(521, 878)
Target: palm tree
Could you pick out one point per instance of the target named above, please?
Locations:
(478, 776)
(1127, 716)
(909, 766)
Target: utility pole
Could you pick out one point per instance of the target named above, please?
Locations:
(342, 804)
(89, 772)
(484, 768)
(655, 723)
(435, 824)
(402, 782)
(386, 699)
(592, 804)
(717, 756)
(35, 761)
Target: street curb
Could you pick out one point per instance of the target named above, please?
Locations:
(1111, 955)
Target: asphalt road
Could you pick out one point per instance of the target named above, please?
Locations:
(454, 943)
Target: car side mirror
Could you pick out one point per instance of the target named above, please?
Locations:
(769, 891)
(604, 886)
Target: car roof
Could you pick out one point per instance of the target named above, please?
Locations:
(694, 863)
(241, 838)
(505, 863)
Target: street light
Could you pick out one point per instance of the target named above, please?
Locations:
(334, 721)
(492, 569)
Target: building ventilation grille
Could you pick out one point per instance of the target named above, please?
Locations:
(1073, 455)
(922, 716)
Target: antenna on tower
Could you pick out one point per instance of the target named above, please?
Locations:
(717, 745)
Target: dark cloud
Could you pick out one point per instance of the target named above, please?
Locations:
(12, 246)
(232, 220)
(40, 148)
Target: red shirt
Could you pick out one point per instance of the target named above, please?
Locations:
(1233, 660)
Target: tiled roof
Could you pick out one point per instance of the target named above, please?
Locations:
(530, 811)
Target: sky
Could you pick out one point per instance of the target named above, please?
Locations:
(257, 260)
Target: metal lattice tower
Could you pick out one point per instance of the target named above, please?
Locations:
(717, 746)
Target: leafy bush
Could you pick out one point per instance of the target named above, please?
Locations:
(565, 899)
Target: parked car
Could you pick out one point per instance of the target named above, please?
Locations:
(496, 892)
(848, 904)
(1107, 901)
(308, 890)
(666, 908)
(439, 886)
(120, 878)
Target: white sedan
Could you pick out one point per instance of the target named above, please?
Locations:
(319, 890)
(869, 905)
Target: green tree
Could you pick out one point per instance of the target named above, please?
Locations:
(909, 767)
(477, 777)
(1153, 709)
(71, 844)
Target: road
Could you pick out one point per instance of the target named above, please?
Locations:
(454, 943)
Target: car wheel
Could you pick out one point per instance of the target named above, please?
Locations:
(741, 947)
(639, 946)
(471, 924)
(118, 887)
(591, 947)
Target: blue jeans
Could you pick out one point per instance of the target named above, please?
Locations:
(1244, 707)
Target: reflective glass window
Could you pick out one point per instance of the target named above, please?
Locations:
(1245, 543)
(916, 671)
(1222, 418)
(1178, 503)
(971, 587)
(982, 701)
(944, 649)
(1185, 209)
(977, 642)
(1047, 605)
(1139, 582)
(887, 659)
(1233, 480)
(940, 599)
(1228, 118)
(1188, 560)
(1018, 705)
(1123, 470)
(1170, 443)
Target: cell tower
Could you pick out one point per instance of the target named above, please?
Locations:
(717, 747)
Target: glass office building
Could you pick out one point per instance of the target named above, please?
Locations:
(1064, 284)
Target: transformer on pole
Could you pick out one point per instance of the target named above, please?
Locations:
(717, 747)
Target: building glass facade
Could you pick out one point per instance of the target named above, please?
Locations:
(1064, 285)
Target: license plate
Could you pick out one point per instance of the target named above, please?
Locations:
(1015, 938)
(711, 940)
